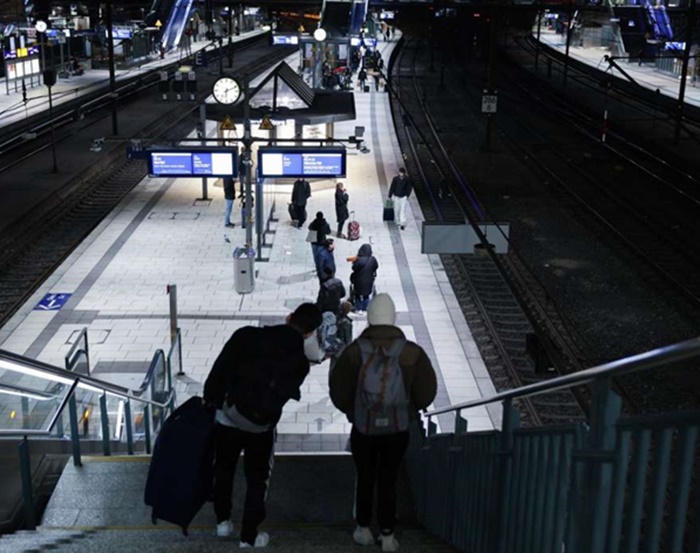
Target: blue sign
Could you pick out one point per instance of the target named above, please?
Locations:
(296, 162)
(193, 163)
(285, 40)
(52, 302)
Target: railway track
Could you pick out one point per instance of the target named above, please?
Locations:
(78, 115)
(37, 244)
(498, 317)
(574, 173)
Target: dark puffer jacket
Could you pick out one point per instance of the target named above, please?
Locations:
(364, 271)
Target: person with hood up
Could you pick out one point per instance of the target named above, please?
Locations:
(364, 272)
(378, 444)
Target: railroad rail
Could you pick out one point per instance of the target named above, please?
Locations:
(497, 314)
(32, 248)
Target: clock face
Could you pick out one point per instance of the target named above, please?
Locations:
(226, 90)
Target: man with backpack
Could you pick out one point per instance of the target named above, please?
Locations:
(380, 381)
(257, 372)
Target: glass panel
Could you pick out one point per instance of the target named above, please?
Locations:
(29, 402)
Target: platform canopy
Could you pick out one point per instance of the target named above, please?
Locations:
(283, 94)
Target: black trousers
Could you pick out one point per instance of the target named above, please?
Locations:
(257, 465)
(341, 222)
(300, 210)
(377, 458)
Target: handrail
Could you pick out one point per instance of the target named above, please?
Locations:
(70, 360)
(150, 373)
(106, 387)
(650, 359)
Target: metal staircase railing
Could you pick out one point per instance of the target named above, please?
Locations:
(42, 400)
(598, 488)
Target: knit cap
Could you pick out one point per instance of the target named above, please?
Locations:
(381, 310)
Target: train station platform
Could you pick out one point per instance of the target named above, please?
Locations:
(13, 108)
(115, 286)
(645, 74)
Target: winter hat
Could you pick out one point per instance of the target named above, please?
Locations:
(381, 310)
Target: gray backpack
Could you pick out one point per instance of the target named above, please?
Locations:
(381, 403)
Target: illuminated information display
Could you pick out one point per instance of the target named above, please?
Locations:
(192, 164)
(295, 162)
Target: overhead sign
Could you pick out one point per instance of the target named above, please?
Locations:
(489, 102)
(285, 40)
(52, 302)
(266, 124)
(295, 162)
(193, 163)
(227, 124)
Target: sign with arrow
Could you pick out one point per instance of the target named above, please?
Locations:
(52, 302)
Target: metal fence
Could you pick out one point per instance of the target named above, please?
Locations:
(613, 485)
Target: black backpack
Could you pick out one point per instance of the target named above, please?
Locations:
(260, 389)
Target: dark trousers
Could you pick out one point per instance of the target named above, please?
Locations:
(340, 226)
(300, 210)
(377, 458)
(257, 464)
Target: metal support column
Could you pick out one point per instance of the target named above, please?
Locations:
(684, 71)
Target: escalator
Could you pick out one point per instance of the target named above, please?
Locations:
(335, 18)
(357, 17)
(174, 15)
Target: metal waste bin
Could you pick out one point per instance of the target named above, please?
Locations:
(244, 269)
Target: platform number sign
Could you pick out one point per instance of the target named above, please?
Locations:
(489, 101)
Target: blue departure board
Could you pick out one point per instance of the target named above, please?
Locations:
(295, 162)
(193, 163)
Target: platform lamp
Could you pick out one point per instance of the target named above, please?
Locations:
(49, 81)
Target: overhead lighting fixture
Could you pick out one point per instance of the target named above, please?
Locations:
(320, 34)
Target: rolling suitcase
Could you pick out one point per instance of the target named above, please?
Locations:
(388, 214)
(181, 474)
(293, 214)
(353, 229)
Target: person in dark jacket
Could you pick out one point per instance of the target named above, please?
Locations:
(301, 192)
(330, 293)
(378, 456)
(364, 271)
(322, 229)
(280, 350)
(326, 259)
(243, 169)
(401, 188)
(341, 207)
(362, 77)
(229, 195)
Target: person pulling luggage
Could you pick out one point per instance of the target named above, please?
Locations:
(258, 371)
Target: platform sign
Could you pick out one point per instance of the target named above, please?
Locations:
(193, 163)
(52, 302)
(285, 40)
(296, 162)
(489, 102)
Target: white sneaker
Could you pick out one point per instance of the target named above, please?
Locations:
(389, 542)
(363, 536)
(261, 540)
(224, 529)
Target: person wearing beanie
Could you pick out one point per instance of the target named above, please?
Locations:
(380, 453)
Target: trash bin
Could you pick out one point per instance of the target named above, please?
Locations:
(244, 269)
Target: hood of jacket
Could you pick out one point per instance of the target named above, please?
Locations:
(364, 251)
(383, 335)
